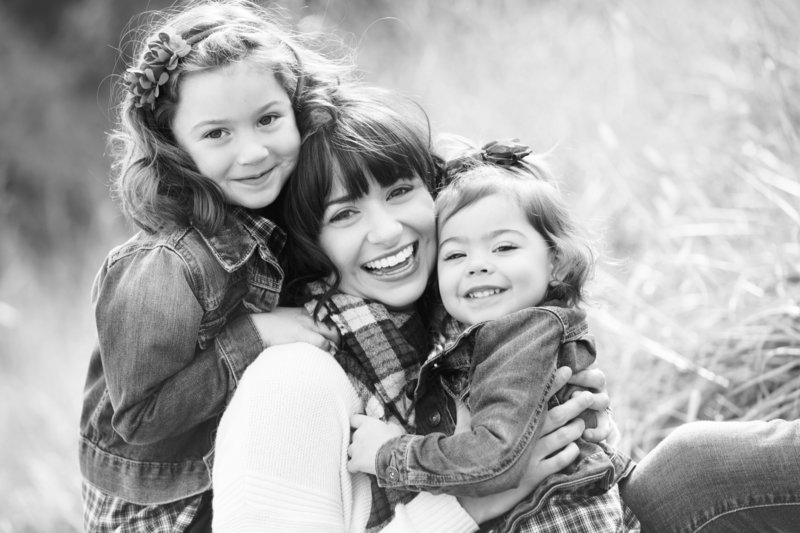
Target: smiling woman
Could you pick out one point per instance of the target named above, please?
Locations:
(382, 242)
(361, 217)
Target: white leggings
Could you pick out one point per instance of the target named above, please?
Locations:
(281, 454)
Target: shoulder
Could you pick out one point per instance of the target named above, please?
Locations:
(178, 251)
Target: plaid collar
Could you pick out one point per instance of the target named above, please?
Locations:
(381, 352)
(243, 233)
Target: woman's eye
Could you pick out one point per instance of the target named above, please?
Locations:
(342, 215)
(399, 191)
(266, 120)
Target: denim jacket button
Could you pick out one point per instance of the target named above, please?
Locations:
(392, 473)
(434, 418)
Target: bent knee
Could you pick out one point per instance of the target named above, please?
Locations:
(290, 373)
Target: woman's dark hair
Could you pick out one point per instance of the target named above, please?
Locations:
(362, 134)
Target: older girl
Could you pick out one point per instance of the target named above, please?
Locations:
(207, 137)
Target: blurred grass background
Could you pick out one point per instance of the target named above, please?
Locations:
(674, 126)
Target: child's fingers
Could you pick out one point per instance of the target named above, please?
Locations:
(330, 333)
(356, 421)
(315, 339)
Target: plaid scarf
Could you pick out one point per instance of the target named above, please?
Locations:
(381, 353)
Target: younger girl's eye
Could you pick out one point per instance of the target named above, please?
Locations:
(451, 256)
(505, 247)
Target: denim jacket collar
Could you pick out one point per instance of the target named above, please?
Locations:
(243, 233)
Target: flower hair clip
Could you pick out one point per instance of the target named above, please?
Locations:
(503, 152)
(160, 60)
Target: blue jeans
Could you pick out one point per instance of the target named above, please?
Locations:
(714, 477)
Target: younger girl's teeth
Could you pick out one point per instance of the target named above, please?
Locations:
(392, 260)
(484, 293)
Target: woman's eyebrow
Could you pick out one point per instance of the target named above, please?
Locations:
(345, 198)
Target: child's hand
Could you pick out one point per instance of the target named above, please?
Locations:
(293, 324)
(369, 435)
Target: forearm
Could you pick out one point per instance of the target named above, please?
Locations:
(281, 455)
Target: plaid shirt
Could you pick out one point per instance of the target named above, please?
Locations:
(381, 354)
(565, 512)
(103, 513)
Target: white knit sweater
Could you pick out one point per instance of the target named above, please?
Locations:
(281, 455)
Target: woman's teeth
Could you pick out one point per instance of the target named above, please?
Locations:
(485, 293)
(392, 260)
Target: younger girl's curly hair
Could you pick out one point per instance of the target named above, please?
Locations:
(156, 181)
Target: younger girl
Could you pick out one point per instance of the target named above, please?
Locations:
(206, 140)
(511, 270)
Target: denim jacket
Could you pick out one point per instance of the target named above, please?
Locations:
(174, 337)
(503, 369)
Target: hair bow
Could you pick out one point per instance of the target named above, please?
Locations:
(503, 152)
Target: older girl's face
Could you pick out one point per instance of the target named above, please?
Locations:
(384, 243)
(238, 126)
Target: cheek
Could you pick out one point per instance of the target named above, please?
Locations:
(338, 246)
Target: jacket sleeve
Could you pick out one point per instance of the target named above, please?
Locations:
(513, 370)
(159, 381)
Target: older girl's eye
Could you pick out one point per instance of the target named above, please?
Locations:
(214, 134)
(266, 120)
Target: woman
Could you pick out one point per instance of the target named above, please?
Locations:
(361, 213)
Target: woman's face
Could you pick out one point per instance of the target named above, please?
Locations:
(384, 243)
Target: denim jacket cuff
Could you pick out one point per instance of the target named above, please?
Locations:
(239, 344)
(390, 463)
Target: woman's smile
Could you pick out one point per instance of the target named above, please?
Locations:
(394, 264)
(383, 244)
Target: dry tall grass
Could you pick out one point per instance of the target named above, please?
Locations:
(675, 126)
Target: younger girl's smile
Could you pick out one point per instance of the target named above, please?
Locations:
(491, 261)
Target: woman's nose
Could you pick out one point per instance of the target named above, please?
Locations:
(384, 229)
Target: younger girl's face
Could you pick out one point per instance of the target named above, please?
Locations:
(384, 243)
(491, 262)
(237, 124)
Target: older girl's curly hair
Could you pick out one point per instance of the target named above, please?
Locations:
(156, 181)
